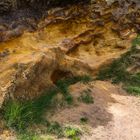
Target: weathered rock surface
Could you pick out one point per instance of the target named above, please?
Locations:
(68, 41)
(10, 5)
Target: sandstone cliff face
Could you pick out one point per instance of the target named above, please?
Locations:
(73, 41)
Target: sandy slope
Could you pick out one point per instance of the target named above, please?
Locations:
(115, 115)
(125, 123)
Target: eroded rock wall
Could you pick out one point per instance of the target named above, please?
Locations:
(8, 5)
(78, 40)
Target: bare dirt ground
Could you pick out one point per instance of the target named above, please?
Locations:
(114, 115)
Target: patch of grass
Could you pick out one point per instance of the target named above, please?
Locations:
(136, 41)
(28, 136)
(20, 115)
(56, 129)
(117, 71)
(134, 80)
(63, 85)
(72, 133)
(133, 90)
(85, 79)
(53, 128)
(69, 99)
(16, 115)
(86, 97)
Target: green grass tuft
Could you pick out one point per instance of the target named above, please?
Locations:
(117, 71)
(28, 136)
(85, 79)
(56, 129)
(86, 97)
(72, 133)
(20, 115)
(133, 90)
(63, 84)
(83, 120)
(69, 132)
(69, 99)
(136, 41)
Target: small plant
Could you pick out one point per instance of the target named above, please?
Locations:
(69, 99)
(83, 120)
(85, 79)
(63, 84)
(28, 136)
(69, 132)
(136, 41)
(133, 90)
(72, 133)
(55, 128)
(86, 97)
